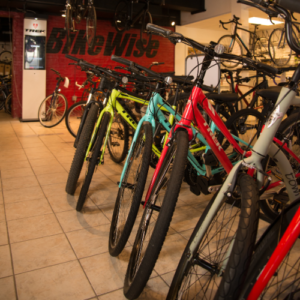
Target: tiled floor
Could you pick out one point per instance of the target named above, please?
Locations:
(50, 251)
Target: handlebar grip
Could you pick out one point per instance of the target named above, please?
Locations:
(121, 60)
(260, 2)
(158, 29)
(150, 72)
(292, 5)
(72, 57)
(207, 88)
(267, 68)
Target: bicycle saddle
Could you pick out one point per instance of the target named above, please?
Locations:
(223, 97)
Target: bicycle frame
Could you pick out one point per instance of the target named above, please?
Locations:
(286, 242)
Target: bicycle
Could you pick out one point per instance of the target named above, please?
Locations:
(163, 190)
(124, 19)
(5, 93)
(234, 44)
(77, 10)
(91, 125)
(184, 282)
(54, 107)
(76, 111)
(6, 56)
(281, 53)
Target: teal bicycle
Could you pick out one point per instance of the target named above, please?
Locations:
(135, 171)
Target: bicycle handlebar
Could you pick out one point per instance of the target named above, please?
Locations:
(292, 5)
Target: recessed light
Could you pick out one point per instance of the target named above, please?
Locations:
(63, 15)
(36, 18)
(262, 21)
(173, 23)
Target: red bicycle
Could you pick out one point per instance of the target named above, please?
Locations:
(162, 195)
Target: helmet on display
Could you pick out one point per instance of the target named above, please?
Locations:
(30, 45)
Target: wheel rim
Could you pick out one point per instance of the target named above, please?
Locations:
(150, 215)
(126, 194)
(50, 113)
(90, 26)
(282, 52)
(74, 118)
(231, 47)
(206, 266)
(121, 16)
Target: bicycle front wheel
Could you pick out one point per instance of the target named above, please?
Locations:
(146, 36)
(94, 160)
(232, 46)
(52, 110)
(81, 149)
(157, 217)
(208, 269)
(279, 50)
(8, 103)
(69, 25)
(74, 116)
(285, 283)
(91, 26)
(131, 190)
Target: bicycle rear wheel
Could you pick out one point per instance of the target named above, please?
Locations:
(157, 217)
(131, 191)
(232, 46)
(145, 35)
(121, 16)
(8, 103)
(281, 52)
(289, 130)
(91, 26)
(285, 283)
(118, 139)
(69, 25)
(52, 110)
(94, 160)
(74, 116)
(208, 269)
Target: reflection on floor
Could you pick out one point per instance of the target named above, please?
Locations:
(50, 251)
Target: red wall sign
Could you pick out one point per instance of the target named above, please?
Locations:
(108, 42)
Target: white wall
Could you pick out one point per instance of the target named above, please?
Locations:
(200, 35)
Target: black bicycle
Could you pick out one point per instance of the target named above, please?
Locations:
(77, 10)
(233, 44)
(124, 19)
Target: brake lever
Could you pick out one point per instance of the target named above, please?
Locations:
(271, 20)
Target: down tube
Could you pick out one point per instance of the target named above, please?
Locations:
(212, 141)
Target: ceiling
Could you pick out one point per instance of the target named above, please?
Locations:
(213, 23)
(161, 14)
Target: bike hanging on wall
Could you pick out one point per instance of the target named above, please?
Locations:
(76, 10)
(124, 19)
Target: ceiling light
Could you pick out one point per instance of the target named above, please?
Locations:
(262, 21)
(173, 23)
(36, 18)
(118, 21)
(63, 15)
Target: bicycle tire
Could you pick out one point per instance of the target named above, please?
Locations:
(237, 125)
(6, 56)
(240, 256)
(264, 249)
(142, 149)
(2, 99)
(271, 207)
(74, 114)
(122, 135)
(81, 149)
(139, 271)
(53, 116)
(279, 57)
(121, 16)
(69, 25)
(226, 40)
(147, 18)
(94, 161)
(8, 103)
(260, 50)
(91, 26)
